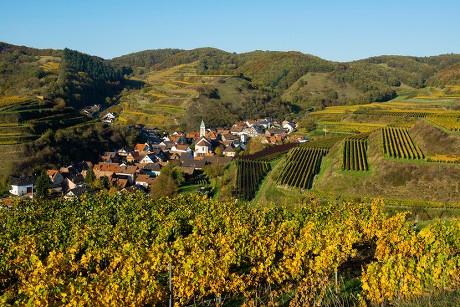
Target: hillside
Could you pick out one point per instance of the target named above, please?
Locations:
(307, 80)
(180, 97)
(42, 94)
(406, 151)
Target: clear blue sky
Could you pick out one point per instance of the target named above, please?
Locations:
(334, 30)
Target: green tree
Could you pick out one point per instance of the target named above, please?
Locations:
(163, 186)
(309, 123)
(178, 175)
(215, 170)
(218, 151)
(254, 145)
(42, 185)
(90, 176)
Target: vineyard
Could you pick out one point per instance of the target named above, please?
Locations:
(271, 152)
(120, 251)
(302, 165)
(399, 113)
(249, 176)
(451, 123)
(397, 143)
(444, 158)
(355, 153)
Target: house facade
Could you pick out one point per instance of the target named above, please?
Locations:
(203, 147)
(22, 186)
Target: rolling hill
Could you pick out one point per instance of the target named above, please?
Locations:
(42, 92)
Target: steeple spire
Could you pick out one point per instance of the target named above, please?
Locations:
(202, 129)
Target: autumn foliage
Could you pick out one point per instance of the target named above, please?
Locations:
(116, 250)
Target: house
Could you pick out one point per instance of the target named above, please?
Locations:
(82, 167)
(126, 171)
(150, 158)
(203, 147)
(108, 118)
(237, 128)
(252, 131)
(210, 134)
(56, 177)
(229, 151)
(105, 169)
(250, 122)
(159, 153)
(144, 180)
(264, 123)
(181, 148)
(77, 192)
(151, 169)
(196, 164)
(72, 181)
(124, 151)
(109, 156)
(217, 160)
(229, 137)
(166, 145)
(22, 186)
(275, 131)
(134, 157)
(68, 170)
(142, 147)
(289, 126)
(120, 183)
(193, 135)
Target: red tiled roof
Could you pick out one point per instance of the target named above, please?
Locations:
(52, 173)
(140, 147)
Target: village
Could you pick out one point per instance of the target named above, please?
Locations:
(131, 169)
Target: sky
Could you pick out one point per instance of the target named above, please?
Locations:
(331, 29)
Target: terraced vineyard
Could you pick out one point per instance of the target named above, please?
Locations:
(355, 153)
(451, 123)
(397, 143)
(302, 165)
(369, 111)
(249, 176)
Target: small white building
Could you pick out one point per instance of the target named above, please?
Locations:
(22, 186)
(229, 151)
(203, 147)
(108, 118)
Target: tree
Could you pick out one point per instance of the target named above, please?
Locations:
(309, 123)
(254, 145)
(215, 170)
(163, 186)
(42, 185)
(178, 175)
(90, 176)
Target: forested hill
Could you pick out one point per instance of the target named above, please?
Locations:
(309, 80)
(62, 77)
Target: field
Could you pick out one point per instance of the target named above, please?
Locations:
(397, 143)
(405, 151)
(355, 153)
(250, 173)
(302, 164)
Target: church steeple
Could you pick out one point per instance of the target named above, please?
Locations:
(202, 129)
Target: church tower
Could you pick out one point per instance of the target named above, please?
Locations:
(202, 129)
